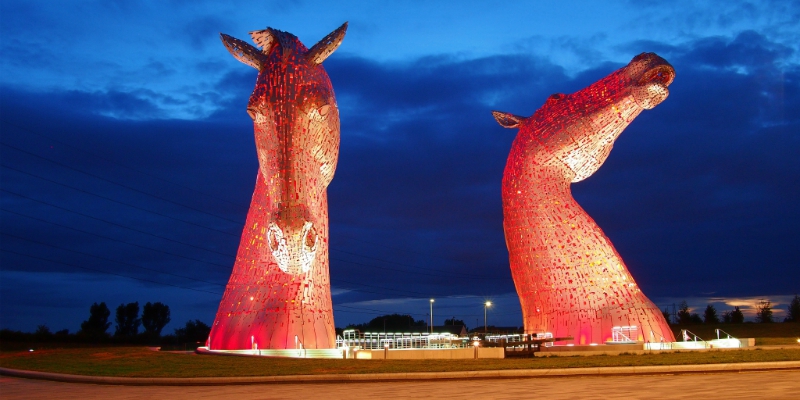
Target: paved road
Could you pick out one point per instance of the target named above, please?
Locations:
(746, 385)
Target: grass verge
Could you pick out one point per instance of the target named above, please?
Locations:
(141, 362)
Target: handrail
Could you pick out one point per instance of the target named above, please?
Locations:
(729, 335)
(685, 337)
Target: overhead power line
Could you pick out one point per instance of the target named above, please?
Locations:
(113, 239)
(113, 161)
(121, 185)
(113, 223)
(424, 270)
(107, 272)
(116, 201)
(108, 259)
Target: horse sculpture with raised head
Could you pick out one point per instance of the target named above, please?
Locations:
(569, 278)
(278, 295)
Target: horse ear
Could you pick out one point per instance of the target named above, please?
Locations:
(244, 52)
(325, 47)
(507, 120)
(263, 39)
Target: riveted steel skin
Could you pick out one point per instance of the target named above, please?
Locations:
(278, 295)
(569, 277)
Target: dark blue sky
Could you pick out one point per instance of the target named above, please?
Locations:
(128, 159)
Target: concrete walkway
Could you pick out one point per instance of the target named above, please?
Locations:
(412, 376)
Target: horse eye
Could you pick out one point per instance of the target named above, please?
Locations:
(323, 111)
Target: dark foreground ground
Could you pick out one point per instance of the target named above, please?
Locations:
(747, 385)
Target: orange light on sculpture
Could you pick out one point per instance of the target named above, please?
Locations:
(569, 278)
(278, 295)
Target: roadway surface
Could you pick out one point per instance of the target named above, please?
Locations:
(732, 385)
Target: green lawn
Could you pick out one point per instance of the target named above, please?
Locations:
(141, 362)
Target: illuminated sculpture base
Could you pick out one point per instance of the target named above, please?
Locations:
(279, 353)
(368, 354)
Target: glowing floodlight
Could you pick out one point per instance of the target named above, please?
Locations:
(282, 262)
(570, 279)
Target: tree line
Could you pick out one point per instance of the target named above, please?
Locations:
(154, 317)
(764, 314)
(399, 323)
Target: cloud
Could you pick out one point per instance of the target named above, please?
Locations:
(696, 195)
(749, 50)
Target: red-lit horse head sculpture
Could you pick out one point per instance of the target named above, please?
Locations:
(570, 279)
(278, 295)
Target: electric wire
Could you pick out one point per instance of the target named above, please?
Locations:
(410, 266)
(113, 223)
(224, 254)
(108, 259)
(119, 184)
(112, 161)
(183, 205)
(460, 275)
(116, 201)
(115, 240)
(107, 272)
(230, 234)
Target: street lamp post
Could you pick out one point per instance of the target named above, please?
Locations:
(431, 315)
(485, 305)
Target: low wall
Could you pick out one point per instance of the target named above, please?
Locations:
(430, 354)
(642, 348)
(282, 353)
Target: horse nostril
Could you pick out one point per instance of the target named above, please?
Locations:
(252, 113)
(310, 239)
(272, 240)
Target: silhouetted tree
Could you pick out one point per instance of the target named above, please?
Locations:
(726, 317)
(391, 323)
(710, 315)
(97, 324)
(667, 315)
(684, 316)
(794, 310)
(155, 317)
(454, 321)
(764, 312)
(737, 317)
(194, 332)
(127, 320)
(43, 333)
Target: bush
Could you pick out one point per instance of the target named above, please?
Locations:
(195, 332)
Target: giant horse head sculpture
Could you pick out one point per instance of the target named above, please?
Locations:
(575, 132)
(570, 279)
(278, 295)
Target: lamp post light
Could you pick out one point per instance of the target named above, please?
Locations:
(431, 316)
(485, 306)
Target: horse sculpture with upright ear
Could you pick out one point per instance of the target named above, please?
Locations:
(570, 279)
(278, 295)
